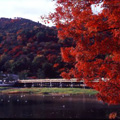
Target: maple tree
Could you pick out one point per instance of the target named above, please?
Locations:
(95, 55)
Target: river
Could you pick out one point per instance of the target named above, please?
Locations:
(44, 106)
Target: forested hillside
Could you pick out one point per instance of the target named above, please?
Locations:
(29, 49)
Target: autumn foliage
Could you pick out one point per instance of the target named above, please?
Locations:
(95, 55)
(29, 49)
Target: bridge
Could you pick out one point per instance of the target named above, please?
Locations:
(50, 83)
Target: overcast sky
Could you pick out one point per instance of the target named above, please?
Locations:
(31, 9)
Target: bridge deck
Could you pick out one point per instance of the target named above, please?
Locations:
(47, 80)
(51, 83)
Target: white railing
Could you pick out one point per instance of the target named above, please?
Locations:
(48, 80)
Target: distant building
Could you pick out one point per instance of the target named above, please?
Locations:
(8, 78)
(1, 81)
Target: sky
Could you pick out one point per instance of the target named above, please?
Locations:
(97, 9)
(30, 9)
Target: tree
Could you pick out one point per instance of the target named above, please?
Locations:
(3, 59)
(40, 74)
(95, 55)
(48, 70)
(23, 74)
(37, 63)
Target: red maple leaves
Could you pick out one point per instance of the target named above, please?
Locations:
(96, 53)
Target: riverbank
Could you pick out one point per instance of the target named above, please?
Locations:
(49, 91)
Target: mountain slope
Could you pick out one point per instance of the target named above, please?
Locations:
(29, 49)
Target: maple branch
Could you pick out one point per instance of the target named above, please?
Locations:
(108, 29)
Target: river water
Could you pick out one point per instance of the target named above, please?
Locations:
(44, 106)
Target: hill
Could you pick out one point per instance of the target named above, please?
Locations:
(29, 49)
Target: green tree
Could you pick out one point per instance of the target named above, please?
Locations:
(48, 70)
(40, 74)
(37, 62)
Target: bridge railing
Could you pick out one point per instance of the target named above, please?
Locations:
(47, 80)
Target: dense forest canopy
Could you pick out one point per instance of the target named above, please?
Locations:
(29, 49)
(95, 52)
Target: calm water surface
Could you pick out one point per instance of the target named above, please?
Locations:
(64, 106)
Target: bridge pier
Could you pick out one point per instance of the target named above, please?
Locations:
(71, 85)
(24, 85)
(41, 84)
(32, 85)
(50, 84)
(61, 84)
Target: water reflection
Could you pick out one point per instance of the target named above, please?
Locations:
(63, 106)
(77, 106)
